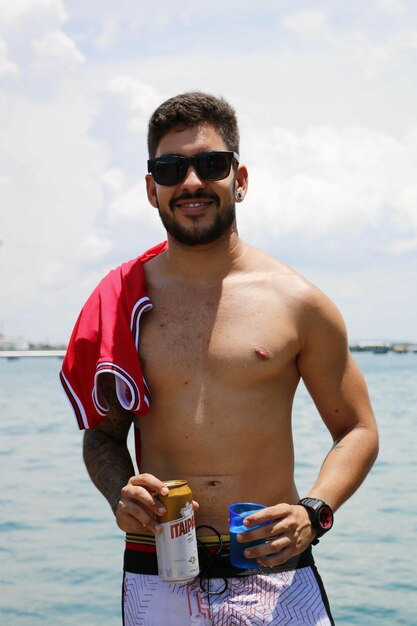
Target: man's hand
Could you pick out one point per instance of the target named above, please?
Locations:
(287, 532)
(138, 508)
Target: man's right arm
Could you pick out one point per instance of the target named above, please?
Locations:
(111, 469)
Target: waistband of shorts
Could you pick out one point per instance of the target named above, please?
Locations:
(140, 558)
(145, 542)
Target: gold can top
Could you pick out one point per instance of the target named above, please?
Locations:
(174, 484)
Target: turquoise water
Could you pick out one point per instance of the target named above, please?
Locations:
(61, 553)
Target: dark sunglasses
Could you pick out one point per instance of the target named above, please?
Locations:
(172, 169)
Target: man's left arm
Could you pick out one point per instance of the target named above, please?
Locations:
(340, 393)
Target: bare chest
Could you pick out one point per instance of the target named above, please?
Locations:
(237, 336)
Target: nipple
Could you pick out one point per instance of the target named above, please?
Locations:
(262, 354)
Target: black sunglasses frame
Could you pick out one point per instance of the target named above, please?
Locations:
(198, 161)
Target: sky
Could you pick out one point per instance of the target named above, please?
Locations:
(326, 96)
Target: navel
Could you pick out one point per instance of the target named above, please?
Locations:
(213, 483)
(262, 354)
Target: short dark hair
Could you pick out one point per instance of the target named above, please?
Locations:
(193, 109)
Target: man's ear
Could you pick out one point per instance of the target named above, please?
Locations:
(241, 182)
(151, 190)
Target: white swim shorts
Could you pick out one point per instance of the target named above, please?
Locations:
(284, 599)
(294, 596)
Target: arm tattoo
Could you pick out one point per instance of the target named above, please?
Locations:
(105, 450)
(109, 392)
(337, 445)
(108, 463)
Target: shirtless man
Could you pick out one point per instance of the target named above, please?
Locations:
(231, 332)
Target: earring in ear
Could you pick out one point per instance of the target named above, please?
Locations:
(239, 195)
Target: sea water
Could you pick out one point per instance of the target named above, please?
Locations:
(61, 552)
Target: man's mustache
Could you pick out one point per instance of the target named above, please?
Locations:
(198, 195)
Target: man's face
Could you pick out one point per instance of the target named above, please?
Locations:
(194, 211)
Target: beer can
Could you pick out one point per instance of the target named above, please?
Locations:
(176, 546)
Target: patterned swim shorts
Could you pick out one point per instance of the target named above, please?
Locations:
(293, 596)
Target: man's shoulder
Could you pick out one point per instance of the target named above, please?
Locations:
(143, 258)
(132, 269)
(288, 284)
(281, 276)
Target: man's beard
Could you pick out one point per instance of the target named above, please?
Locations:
(196, 234)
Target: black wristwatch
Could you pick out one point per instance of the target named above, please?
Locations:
(321, 516)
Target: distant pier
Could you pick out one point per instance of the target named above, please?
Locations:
(381, 347)
(17, 354)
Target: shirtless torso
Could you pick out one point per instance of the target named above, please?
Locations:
(221, 361)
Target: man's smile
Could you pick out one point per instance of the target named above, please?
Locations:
(196, 206)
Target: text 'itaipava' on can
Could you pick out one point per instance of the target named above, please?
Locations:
(176, 546)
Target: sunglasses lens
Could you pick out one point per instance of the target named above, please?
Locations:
(214, 165)
(168, 171)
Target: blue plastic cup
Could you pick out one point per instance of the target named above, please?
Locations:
(237, 513)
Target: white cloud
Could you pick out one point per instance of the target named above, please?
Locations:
(32, 13)
(51, 274)
(401, 246)
(126, 205)
(95, 246)
(406, 203)
(374, 58)
(32, 29)
(329, 181)
(140, 98)
(390, 6)
(57, 50)
(407, 41)
(115, 180)
(4, 181)
(50, 202)
(357, 44)
(308, 24)
(7, 67)
(111, 31)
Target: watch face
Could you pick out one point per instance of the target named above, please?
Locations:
(326, 517)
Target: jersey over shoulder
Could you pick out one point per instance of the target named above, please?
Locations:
(106, 339)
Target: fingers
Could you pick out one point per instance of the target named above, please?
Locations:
(136, 521)
(285, 536)
(279, 558)
(138, 507)
(271, 521)
(269, 514)
(276, 551)
(150, 482)
(268, 548)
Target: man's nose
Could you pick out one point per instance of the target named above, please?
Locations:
(192, 180)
